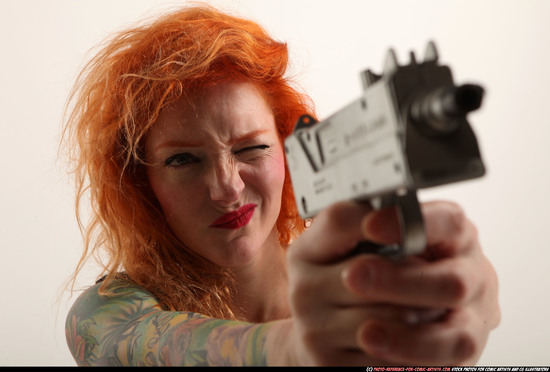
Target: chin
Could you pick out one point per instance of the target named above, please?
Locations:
(235, 254)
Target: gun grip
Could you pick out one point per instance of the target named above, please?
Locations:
(413, 237)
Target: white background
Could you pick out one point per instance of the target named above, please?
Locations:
(501, 44)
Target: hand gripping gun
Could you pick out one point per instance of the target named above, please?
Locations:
(407, 131)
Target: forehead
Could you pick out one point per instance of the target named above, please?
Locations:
(224, 111)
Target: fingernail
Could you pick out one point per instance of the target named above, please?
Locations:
(359, 278)
(376, 339)
(364, 279)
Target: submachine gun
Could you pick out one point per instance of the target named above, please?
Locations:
(407, 131)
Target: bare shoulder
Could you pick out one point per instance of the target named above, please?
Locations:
(125, 325)
(117, 325)
(119, 294)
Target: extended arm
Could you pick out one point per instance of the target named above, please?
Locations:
(130, 328)
(359, 311)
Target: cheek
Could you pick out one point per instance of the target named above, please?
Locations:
(267, 179)
(274, 176)
(167, 199)
(169, 194)
(279, 169)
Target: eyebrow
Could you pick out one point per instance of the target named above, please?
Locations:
(179, 143)
(248, 136)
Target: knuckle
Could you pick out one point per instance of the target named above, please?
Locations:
(456, 218)
(342, 215)
(363, 277)
(456, 287)
(318, 350)
(465, 348)
(472, 236)
(461, 231)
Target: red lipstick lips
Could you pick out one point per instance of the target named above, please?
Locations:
(236, 219)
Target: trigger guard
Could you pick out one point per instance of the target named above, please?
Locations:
(412, 224)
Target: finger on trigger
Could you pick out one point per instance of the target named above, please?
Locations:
(382, 226)
(333, 234)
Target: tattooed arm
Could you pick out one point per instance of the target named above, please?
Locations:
(361, 310)
(130, 328)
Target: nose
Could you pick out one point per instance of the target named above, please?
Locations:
(225, 183)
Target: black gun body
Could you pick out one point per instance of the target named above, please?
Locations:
(443, 154)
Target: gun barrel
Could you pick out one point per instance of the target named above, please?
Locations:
(437, 111)
(463, 99)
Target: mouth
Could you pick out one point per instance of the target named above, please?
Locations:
(236, 219)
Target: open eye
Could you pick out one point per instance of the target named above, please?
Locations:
(180, 160)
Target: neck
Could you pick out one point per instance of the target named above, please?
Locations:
(262, 285)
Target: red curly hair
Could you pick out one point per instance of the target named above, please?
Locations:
(117, 99)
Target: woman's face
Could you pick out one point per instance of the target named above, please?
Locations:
(218, 171)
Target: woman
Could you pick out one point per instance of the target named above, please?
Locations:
(176, 132)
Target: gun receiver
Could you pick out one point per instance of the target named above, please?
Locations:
(407, 131)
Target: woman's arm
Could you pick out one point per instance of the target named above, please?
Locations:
(130, 328)
(363, 310)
